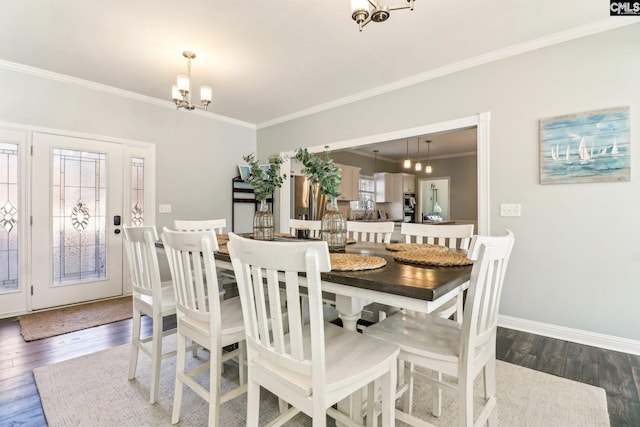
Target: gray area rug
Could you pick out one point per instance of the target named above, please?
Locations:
(94, 390)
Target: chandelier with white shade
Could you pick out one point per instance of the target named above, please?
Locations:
(365, 11)
(181, 93)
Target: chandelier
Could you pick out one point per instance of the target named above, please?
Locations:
(365, 11)
(182, 95)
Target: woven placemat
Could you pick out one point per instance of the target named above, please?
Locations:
(355, 262)
(416, 247)
(445, 259)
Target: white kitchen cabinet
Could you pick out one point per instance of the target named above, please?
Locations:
(384, 187)
(408, 183)
(349, 187)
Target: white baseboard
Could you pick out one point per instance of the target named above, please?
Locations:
(594, 339)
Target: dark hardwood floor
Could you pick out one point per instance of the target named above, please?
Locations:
(617, 373)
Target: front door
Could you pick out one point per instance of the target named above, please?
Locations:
(77, 208)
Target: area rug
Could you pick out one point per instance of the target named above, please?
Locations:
(94, 390)
(45, 324)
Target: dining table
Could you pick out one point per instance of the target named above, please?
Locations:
(422, 288)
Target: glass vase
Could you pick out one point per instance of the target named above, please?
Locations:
(334, 227)
(263, 222)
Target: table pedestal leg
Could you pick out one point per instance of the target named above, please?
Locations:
(350, 311)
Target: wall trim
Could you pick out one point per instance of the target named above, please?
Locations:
(609, 23)
(594, 339)
(44, 74)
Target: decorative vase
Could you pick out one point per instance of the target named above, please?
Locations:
(334, 227)
(263, 222)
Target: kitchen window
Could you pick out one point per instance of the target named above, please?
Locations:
(366, 193)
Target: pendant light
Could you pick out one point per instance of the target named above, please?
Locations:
(428, 168)
(418, 164)
(375, 161)
(407, 161)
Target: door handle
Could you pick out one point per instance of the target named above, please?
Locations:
(116, 231)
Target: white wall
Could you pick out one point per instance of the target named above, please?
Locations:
(576, 261)
(196, 156)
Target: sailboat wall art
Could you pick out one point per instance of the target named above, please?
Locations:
(586, 147)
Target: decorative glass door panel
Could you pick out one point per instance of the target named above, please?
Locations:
(79, 216)
(77, 193)
(8, 218)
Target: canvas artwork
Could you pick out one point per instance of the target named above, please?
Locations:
(586, 147)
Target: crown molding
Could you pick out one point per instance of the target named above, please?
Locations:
(37, 72)
(550, 40)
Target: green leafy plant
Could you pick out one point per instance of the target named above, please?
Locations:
(321, 170)
(265, 178)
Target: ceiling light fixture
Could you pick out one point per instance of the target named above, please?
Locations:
(407, 161)
(418, 164)
(365, 11)
(375, 161)
(428, 168)
(180, 92)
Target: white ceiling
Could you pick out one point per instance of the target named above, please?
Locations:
(269, 59)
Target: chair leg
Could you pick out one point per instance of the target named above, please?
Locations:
(181, 356)
(465, 398)
(407, 374)
(437, 395)
(156, 358)
(372, 418)
(389, 395)
(215, 367)
(490, 389)
(242, 362)
(135, 344)
(253, 403)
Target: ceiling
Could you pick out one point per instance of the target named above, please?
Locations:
(268, 60)
(443, 144)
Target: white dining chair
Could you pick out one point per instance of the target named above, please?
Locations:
(453, 236)
(314, 365)
(314, 227)
(459, 350)
(201, 225)
(217, 225)
(151, 297)
(209, 322)
(370, 231)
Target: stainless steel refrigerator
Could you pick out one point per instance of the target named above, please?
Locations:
(306, 202)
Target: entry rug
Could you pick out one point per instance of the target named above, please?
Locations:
(94, 390)
(45, 324)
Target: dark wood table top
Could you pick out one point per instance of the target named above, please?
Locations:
(414, 281)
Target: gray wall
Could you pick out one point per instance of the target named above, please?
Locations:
(366, 164)
(196, 156)
(576, 259)
(463, 184)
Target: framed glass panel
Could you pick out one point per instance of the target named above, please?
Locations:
(9, 217)
(137, 191)
(79, 252)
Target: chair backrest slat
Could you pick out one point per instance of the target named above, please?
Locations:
(217, 225)
(454, 236)
(491, 255)
(190, 257)
(313, 226)
(370, 231)
(143, 258)
(280, 263)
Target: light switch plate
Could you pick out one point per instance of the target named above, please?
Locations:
(510, 209)
(164, 208)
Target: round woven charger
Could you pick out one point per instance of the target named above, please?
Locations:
(355, 262)
(445, 259)
(223, 249)
(351, 241)
(416, 247)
